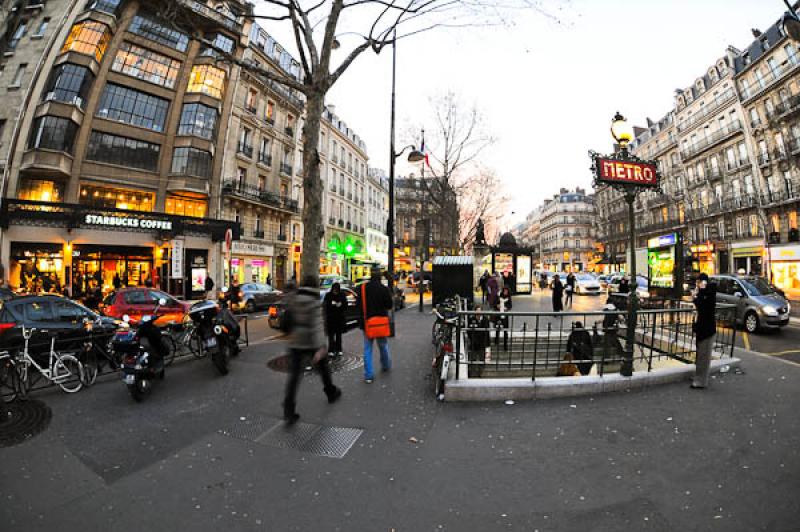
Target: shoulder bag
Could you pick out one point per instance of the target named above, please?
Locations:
(376, 326)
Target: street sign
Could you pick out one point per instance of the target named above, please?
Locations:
(228, 240)
(626, 172)
(177, 259)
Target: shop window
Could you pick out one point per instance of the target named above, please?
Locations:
(191, 161)
(113, 149)
(89, 38)
(69, 84)
(186, 206)
(129, 106)
(41, 190)
(207, 79)
(198, 120)
(116, 198)
(53, 133)
(150, 28)
(146, 65)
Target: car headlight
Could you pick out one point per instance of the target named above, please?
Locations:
(788, 307)
(217, 330)
(769, 310)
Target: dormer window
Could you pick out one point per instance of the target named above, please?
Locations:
(712, 75)
(722, 67)
(700, 85)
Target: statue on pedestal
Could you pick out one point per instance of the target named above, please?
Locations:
(480, 238)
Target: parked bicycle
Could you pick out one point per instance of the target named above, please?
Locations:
(444, 310)
(444, 352)
(8, 377)
(62, 369)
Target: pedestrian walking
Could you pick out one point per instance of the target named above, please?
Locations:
(375, 301)
(624, 285)
(501, 322)
(482, 284)
(116, 282)
(492, 290)
(269, 279)
(233, 296)
(569, 289)
(335, 305)
(705, 328)
(558, 294)
(208, 285)
(306, 341)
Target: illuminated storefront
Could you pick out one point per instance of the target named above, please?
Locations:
(748, 257)
(703, 258)
(785, 266)
(252, 262)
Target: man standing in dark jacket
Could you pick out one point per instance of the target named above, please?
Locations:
(705, 328)
(378, 303)
(335, 305)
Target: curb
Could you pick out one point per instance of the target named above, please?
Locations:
(554, 387)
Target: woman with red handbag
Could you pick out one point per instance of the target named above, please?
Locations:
(375, 301)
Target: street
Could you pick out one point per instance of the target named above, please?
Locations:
(205, 452)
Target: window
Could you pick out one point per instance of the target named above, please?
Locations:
(69, 312)
(116, 198)
(721, 229)
(775, 222)
(133, 107)
(41, 190)
(251, 100)
(149, 28)
(19, 75)
(207, 79)
(107, 6)
(112, 149)
(69, 84)
(136, 297)
(89, 38)
(191, 161)
(42, 27)
(262, 183)
(186, 206)
(269, 112)
(241, 177)
(753, 225)
(219, 41)
(198, 120)
(53, 133)
(146, 65)
(18, 34)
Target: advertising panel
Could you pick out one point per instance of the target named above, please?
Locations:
(524, 274)
(661, 266)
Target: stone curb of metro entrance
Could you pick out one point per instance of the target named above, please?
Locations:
(520, 389)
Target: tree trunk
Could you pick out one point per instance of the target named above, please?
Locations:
(313, 229)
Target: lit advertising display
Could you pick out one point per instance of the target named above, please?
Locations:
(661, 265)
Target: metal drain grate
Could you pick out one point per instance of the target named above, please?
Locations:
(22, 420)
(331, 442)
(346, 362)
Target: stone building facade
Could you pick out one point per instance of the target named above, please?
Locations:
(566, 234)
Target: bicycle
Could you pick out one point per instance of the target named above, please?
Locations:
(443, 351)
(444, 310)
(183, 337)
(8, 377)
(95, 355)
(63, 369)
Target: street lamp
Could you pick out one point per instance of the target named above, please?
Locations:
(414, 156)
(621, 131)
(791, 22)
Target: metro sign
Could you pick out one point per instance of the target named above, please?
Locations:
(626, 172)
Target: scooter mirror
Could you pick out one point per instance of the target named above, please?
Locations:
(126, 318)
(162, 301)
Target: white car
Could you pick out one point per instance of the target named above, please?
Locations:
(586, 284)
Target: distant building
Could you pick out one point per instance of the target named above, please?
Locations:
(566, 233)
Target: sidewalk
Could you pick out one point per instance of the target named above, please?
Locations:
(667, 458)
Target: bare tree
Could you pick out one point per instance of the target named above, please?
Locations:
(318, 27)
(481, 198)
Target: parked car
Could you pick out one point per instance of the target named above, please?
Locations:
(758, 304)
(136, 302)
(352, 314)
(48, 314)
(586, 283)
(256, 296)
(642, 285)
(603, 280)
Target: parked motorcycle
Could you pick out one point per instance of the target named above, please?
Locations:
(218, 331)
(142, 351)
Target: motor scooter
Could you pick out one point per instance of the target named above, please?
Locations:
(217, 331)
(142, 352)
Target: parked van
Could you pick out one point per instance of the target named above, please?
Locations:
(758, 304)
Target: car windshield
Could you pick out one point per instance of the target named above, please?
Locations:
(585, 277)
(641, 282)
(756, 286)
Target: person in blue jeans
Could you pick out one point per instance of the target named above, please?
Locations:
(378, 303)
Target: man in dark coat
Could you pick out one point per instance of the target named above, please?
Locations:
(208, 285)
(378, 303)
(579, 345)
(558, 294)
(482, 283)
(335, 306)
(705, 328)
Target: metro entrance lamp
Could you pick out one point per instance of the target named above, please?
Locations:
(629, 175)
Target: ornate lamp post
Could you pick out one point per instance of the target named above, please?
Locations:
(630, 175)
(791, 22)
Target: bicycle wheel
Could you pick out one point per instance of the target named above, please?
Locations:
(194, 344)
(68, 373)
(90, 366)
(171, 346)
(435, 331)
(8, 381)
(23, 380)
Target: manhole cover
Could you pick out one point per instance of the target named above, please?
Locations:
(346, 362)
(22, 420)
(331, 442)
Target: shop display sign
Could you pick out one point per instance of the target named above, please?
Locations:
(614, 171)
(785, 253)
(663, 241)
(177, 259)
(703, 248)
(127, 221)
(251, 248)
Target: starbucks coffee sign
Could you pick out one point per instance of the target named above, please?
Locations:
(132, 222)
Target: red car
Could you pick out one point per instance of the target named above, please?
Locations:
(136, 302)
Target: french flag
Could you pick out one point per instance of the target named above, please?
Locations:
(424, 151)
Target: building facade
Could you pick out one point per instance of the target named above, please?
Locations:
(727, 156)
(258, 186)
(566, 235)
(115, 165)
(377, 216)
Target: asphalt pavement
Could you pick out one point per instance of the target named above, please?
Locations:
(205, 452)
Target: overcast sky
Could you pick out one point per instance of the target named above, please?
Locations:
(548, 88)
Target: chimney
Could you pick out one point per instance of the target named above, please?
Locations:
(332, 109)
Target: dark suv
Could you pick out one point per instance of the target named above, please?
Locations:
(50, 313)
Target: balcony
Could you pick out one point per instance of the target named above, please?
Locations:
(331, 220)
(257, 195)
(751, 91)
(200, 8)
(282, 237)
(258, 233)
(764, 160)
(347, 225)
(737, 166)
(349, 195)
(787, 108)
(250, 107)
(713, 173)
(289, 131)
(245, 149)
(265, 158)
(270, 121)
(286, 169)
(707, 110)
(712, 139)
